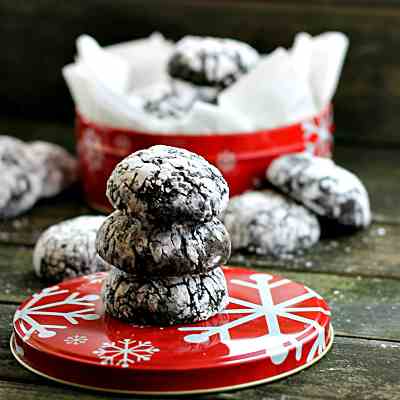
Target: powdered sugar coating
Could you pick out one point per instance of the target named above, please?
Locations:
(209, 61)
(267, 223)
(149, 249)
(323, 187)
(61, 168)
(169, 102)
(67, 250)
(22, 177)
(168, 183)
(174, 99)
(165, 301)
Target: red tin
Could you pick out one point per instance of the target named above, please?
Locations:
(242, 157)
(272, 328)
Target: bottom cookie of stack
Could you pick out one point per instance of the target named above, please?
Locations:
(165, 301)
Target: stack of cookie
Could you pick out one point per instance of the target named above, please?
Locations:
(164, 240)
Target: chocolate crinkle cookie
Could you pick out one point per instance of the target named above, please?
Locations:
(322, 186)
(165, 301)
(61, 168)
(21, 177)
(209, 61)
(30, 172)
(171, 100)
(168, 183)
(148, 249)
(267, 223)
(68, 249)
(168, 105)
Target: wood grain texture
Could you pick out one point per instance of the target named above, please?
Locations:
(15, 390)
(363, 253)
(37, 39)
(25, 229)
(30, 130)
(379, 170)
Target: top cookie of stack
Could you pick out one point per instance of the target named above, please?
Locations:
(168, 184)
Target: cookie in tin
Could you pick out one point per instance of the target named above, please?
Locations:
(210, 61)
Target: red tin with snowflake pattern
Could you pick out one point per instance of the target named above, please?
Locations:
(272, 328)
(241, 157)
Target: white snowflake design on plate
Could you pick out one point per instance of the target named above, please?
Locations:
(125, 352)
(96, 278)
(90, 148)
(76, 339)
(27, 319)
(274, 341)
(322, 130)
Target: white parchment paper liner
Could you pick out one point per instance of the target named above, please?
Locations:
(285, 87)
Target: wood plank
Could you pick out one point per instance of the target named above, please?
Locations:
(355, 302)
(366, 103)
(365, 254)
(14, 390)
(373, 252)
(379, 170)
(25, 229)
(354, 368)
(30, 130)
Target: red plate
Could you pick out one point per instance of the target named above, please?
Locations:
(272, 328)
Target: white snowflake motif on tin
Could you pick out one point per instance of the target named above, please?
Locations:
(275, 342)
(90, 149)
(123, 144)
(76, 339)
(125, 352)
(57, 314)
(226, 161)
(321, 130)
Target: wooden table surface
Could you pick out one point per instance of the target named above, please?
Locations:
(359, 275)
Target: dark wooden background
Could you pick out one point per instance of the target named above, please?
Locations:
(37, 37)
